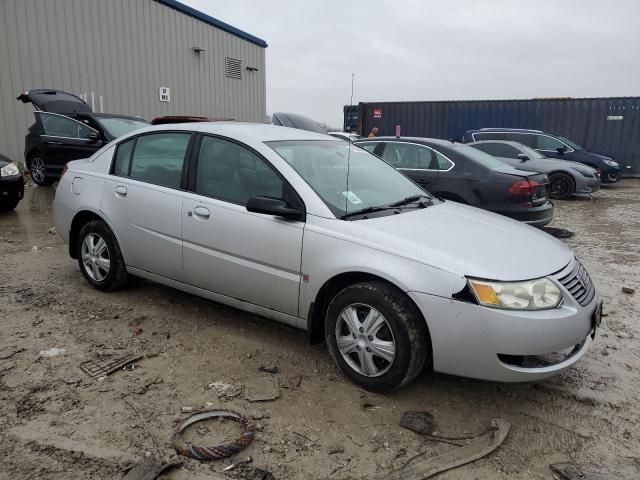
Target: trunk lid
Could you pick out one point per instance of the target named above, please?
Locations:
(54, 101)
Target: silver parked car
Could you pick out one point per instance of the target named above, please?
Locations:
(324, 236)
(566, 178)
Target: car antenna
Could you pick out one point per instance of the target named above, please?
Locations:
(346, 194)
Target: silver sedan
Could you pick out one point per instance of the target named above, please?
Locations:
(322, 235)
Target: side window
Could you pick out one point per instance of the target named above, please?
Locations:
(525, 138)
(548, 143)
(369, 147)
(158, 158)
(498, 149)
(417, 157)
(123, 158)
(55, 125)
(234, 174)
(488, 136)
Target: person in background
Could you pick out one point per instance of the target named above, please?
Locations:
(374, 132)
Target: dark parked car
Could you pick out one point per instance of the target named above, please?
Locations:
(66, 129)
(171, 119)
(458, 172)
(550, 145)
(11, 184)
(565, 178)
(295, 120)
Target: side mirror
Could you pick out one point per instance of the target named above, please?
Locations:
(561, 150)
(523, 157)
(93, 137)
(273, 206)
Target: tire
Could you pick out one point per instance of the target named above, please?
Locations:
(38, 170)
(561, 186)
(8, 205)
(401, 326)
(92, 254)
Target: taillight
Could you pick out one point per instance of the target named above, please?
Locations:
(524, 188)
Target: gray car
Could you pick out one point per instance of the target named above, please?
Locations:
(322, 235)
(566, 178)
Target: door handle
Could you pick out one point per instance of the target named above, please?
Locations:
(53, 143)
(201, 212)
(121, 191)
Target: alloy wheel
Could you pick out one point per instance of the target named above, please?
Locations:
(95, 257)
(561, 187)
(365, 340)
(38, 170)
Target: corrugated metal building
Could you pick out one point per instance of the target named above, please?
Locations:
(117, 54)
(610, 126)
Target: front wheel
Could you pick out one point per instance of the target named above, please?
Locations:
(99, 257)
(376, 336)
(38, 170)
(561, 186)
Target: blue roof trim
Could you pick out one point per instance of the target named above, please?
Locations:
(192, 12)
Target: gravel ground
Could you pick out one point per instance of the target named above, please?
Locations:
(56, 422)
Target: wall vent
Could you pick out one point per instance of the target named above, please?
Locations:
(233, 67)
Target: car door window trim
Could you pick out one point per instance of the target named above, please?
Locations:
(193, 170)
(387, 142)
(45, 134)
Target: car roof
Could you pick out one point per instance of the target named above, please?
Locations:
(424, 140)
(504, 129)
(242, 131)
(508, 142)
(113, 115)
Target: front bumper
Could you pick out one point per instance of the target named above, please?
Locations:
(610, 176)
(11, 187)
(587, 185)
(478, 342)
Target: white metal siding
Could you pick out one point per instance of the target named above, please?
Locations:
(124, 51)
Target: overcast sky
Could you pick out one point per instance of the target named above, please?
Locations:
(437, 49)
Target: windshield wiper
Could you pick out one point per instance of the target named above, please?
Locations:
(367, 210)
(411, 199)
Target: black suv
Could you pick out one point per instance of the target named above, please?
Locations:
(550, 145)
(67, 129)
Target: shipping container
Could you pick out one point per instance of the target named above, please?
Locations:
(610, 126)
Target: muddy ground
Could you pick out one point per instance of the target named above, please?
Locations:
(56, 422)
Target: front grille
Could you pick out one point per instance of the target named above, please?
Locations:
(579, 284)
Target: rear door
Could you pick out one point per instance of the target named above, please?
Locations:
(142, 199)
(228, 250)
(65, 139)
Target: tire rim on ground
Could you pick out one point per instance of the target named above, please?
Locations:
(365, 340)
(38, 170)
(95, 257)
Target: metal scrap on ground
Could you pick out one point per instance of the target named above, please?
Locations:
(105, 366)
(420, 468)
(149, 469)
(568, 471)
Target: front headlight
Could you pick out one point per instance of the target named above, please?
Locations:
(612, 163)
(537, 294)
(9, 170)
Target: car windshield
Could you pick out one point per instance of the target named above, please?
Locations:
(118, 126)
(347, 178)
(480, 157)
(573, 145)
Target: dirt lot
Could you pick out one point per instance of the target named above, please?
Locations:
(58, 423)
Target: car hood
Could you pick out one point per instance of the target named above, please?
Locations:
(464, 240)
(54, 101)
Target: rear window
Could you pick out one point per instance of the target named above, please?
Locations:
(480, 158)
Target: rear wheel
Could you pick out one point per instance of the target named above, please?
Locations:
(38, 169)
(376, 336)
(99, 257)
(561, 186)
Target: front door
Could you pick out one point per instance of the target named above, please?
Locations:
(228, 250)
(142, 199)
(65, 139)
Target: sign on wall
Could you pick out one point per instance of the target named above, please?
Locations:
(377, 113)
(165, 94)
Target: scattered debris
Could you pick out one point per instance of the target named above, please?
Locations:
(558, 232)
(336, 449)
(628, 290)
(149, 469)
(419, 422)
(226, 390)
(51, 231)
(478, 448)
(237, 463)
(273, 369)
(250, 473)
(187, 409)
(217, 452)
(262, 389)
(137, 331)
(6, 353)
(369, 403)
(568, 471)
(105, 366)
(52, 352)
(311, 441)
